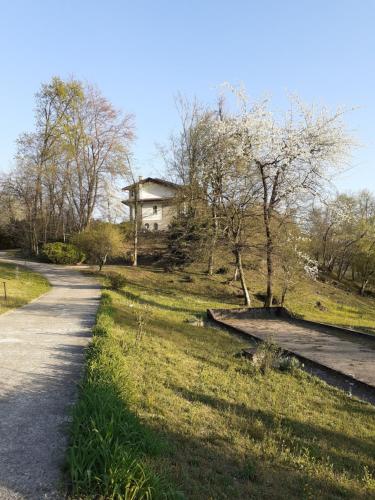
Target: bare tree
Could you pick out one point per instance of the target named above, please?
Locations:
(78, 148)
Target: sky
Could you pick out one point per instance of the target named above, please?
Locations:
(142, 53)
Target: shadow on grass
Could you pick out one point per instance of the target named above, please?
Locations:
(114, 438)
(297, 434)
(214, 294)
(137, 298)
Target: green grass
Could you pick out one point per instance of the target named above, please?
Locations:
(171, 399)
(22, 285)
(342, 306)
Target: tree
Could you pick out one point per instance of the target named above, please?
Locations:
(186, 238)
(232, 190)
(64, 167)
(100, 242)
(189, 161)
(294, 157)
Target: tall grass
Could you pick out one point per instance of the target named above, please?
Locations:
(106, 456)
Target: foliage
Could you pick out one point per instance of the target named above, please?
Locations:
(289, 364)
(342, 237)
(108, 442)
(267, 356)
(67, 166)
(63, 253)
(185, 239)
(117, 280)
(101, 241)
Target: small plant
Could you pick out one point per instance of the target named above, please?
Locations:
(116, 280)
(267, 356)
(63, 253)
(289, 364)
(142, 317)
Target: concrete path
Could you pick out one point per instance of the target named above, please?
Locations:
(41, 359)
(351, 355)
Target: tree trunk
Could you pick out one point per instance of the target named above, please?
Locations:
(242, 277)
(210, 270)
(283, 295)
(269, 254)
(103, 260)
(135, 239)
(135, 245)
(363, 287)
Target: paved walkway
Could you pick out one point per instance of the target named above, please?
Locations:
(41, 357)
(350, 355)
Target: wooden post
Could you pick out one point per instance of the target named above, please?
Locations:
(5, 290)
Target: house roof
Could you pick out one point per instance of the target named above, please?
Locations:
(147, 200)
(151, 179)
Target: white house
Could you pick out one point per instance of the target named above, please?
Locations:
(155, 200)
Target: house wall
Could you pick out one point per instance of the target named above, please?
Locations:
(154, 190)
(165, 209)
(162, 218)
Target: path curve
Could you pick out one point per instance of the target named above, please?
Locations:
(41, 360)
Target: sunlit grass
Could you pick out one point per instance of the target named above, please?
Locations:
(22, 285)
(219, 428)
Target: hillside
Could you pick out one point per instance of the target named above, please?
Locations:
(325, 300)
(201, 423)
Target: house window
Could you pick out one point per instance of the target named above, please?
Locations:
(147, 226)
(156, 227)
(155, 209)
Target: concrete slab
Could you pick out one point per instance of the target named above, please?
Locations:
(348, 353)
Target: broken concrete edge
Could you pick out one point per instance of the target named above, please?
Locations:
(282, 312)
(368, 389)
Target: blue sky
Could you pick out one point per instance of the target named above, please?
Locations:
(141, 53)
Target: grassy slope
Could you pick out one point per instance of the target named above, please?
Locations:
(228, 432)
(342, 305)
(22, 286)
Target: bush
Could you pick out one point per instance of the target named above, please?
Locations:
(186, 237)
(267, 356)
(289, 364)
(63, 253)
(116, 280)
(100, 242)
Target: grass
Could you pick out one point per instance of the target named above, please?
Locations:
(22, 284)
(341, 306)
(168, 411)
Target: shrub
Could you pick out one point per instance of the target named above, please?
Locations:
(267, 356)
(186, 237)
(100, 242)
(117, 280)
(63, 253)
(289, 364)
